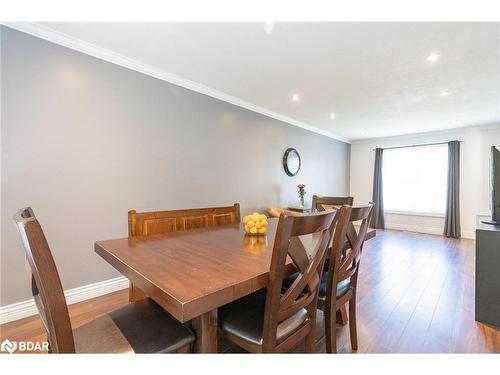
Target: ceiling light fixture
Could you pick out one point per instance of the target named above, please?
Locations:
(332, 116)
(433, 57)
(444, 93)
(269, 27)
(295, 97)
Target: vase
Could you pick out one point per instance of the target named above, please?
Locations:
(302, 204)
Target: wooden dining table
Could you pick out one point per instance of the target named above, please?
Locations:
(193, 273)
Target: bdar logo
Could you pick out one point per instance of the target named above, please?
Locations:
(8, 346)
(23, 346)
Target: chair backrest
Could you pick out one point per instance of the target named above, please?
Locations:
(325, 203)
(45, 283)
(347, 244)
(308, 257)
(160, 222)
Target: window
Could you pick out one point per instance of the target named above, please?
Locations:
(415, 178)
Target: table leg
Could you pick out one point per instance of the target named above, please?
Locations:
(205, 327)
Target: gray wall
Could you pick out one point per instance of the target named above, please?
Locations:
(84, 141)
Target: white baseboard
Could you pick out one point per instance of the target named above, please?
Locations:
(27, 308)
(427, 230)
(469, 234)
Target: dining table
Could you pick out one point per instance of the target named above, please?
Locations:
(192, 273)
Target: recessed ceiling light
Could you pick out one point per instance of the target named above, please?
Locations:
(444, 93)
(269, 27)
(433, 57)
(295, 97)
(332, 116)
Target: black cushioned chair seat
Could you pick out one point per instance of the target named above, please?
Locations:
(342, 287)
(140, 327)
(244, 318)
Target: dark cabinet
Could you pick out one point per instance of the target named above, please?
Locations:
(487, 273)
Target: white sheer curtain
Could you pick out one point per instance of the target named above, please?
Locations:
(415, 179)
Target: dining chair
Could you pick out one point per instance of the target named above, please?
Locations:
(161, 222)
(339, 284)
(271, 321)
(322, 203)
(140, 327)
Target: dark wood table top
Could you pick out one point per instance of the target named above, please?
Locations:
(190, 273)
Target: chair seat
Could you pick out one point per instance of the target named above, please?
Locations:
(140, 327)
(244, 318)
(342, 287)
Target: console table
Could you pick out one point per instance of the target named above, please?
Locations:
(303, 210)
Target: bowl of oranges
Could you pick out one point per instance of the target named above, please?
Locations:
(255, 224)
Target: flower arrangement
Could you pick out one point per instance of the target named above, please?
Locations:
(302, 193)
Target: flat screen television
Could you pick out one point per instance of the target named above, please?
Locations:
(495, 187)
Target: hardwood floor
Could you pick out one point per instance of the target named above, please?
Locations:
(415, 295)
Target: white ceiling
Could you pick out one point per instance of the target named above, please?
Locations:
(373, 76)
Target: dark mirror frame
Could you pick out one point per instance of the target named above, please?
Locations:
(285, 161)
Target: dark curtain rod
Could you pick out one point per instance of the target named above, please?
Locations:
(424, 144)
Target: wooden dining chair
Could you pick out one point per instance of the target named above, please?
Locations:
(141, 327)
(339, 284)
(161, 222)
(320, 203)
(271, 321)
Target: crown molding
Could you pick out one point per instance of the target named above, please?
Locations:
(410, 136)
(79, 45)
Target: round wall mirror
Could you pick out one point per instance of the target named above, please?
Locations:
(291, 161)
